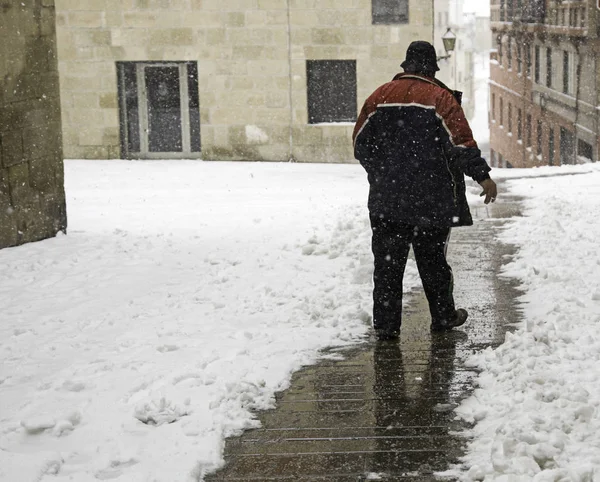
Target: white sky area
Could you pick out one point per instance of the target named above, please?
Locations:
(480, 7)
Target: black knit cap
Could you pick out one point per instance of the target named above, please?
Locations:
(420, 57)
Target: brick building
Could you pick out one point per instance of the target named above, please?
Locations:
(545, 82)
(226, 80)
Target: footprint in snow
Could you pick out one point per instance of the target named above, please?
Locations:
(71, 386)
(167, 348)
(159, 412)
(115, 469)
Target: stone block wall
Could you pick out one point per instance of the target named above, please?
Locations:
(338, 29)
(32, 199)
(251, 57)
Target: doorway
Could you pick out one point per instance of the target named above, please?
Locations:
(567, 147)
(159, 110)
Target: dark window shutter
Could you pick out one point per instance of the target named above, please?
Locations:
(331, 88)
(194, 105)
(585, 150)
(128, 100)
(389, 11)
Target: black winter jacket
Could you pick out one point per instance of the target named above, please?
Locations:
(416, 145)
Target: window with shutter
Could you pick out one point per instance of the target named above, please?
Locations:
(389, 11)
(331, 91)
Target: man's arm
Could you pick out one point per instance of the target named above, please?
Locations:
(462, 148)
(362, 136)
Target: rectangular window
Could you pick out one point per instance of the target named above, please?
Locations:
(520, 124)
(528, 61)
(519, 59)
(510, 118)
(158, 109)
(528, 130)
(331, 90)
(509, 53)
(540, 133)
(572, 73)
(500, 50)
(534, 11)
(585, 151)
(566, 72)
(551, 146)
(569, 73)
(537, 64)
(567, 146)
(493, 107)
(548, 67)
(501, 111)
(388, 12)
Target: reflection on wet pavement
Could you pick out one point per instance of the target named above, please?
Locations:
(386, 411)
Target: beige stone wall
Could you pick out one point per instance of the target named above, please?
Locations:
(332, 30)
(32, 200)
(246, 67)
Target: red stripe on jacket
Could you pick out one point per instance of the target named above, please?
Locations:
(416, 89)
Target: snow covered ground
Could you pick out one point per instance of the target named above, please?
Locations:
(185, 294)
(537, 410)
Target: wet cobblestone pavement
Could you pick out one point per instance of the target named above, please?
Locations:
(386, 411)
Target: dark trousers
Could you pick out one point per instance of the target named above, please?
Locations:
(391, 243)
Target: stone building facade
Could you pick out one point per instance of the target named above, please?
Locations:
(545, 82)
(32, 199)
(272, 80)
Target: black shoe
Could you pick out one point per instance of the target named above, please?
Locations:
(460, 317)
(386, 335)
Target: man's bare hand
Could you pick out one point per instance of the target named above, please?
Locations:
(489, 190)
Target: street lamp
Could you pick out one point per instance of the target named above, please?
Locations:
(449, 39)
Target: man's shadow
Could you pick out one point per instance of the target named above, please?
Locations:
(415, 391)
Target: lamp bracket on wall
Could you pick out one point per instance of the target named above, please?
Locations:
(449, 39)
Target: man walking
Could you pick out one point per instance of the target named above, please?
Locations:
(416, 145)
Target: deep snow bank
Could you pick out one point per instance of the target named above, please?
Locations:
(537, 408)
